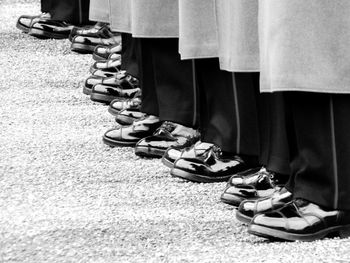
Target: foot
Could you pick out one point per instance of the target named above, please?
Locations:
(84, 44)
(106, 94)
(249, 208)
(121, 78)
(25, 22)
(104, 74)
(301, 220)
(168, 135)
(99, 30)
(252, 184)
(192, 152)
(210, 168)
(127, 117)
(106, 52)
(130, 135)
(107, 65)
(50, 29)
(117, 105)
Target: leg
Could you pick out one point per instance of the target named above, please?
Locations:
(174, 83)
(129, 58)
(147, 77)
(321, 166)
(72, 11)
(45, 6)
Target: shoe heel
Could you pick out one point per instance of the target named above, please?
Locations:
(344, 232)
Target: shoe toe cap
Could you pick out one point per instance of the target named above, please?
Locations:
(247, 208)
(236, 180)
(113, 134)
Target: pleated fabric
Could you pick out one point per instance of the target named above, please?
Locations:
(99, 11)
(237, 22)
(155, 18)
(198, 35)
(227, 29)
(120, 15)
(304, 45)
(146, 18)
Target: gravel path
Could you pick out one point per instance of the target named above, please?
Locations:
(66, 197)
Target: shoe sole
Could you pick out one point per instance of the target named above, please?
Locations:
(197, 178)
(43, 34)
(22, 27)
(243, 218)
(97, 97)
(167, 163)
(114, 143)
(225, 198)
(97, 57)
(82, 48)
(87, 91)
(149, 152)
(341, 231)
(113, 111)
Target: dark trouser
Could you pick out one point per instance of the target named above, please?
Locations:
(321, 159)
(228, 108)
(167, 82)
(129, 59)
(45, 5)
(274, 123)
(71, 11)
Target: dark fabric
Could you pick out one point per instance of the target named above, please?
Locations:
(320, 164)
(75, 12)
(167, 82)
(233, 127)
(129, 60)
(45, 6)
(274, 127)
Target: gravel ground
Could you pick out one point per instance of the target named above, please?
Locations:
(66, 197)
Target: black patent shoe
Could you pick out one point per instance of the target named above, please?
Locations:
(117, 105)
(169, 134)
(130, 135)
(106, 94)
(301, 220)
(252, 184)
(249, 208)
(107, 65)
(194, 152)
(25, 22)
(104, 73)
(121, 78)
(83, 44)
(127, 117)
(106, 52)
(210, 168)
(50, 29)
(99, 30)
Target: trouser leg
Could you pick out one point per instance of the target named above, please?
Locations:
(72, 11)
(129, 57)
(278, 159)
(228, 108)
(99, 11)
(147, 77)
(174, 83)
(321, 166)
(45, 6)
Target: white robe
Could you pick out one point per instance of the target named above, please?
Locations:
(227, 29)
(198, 36)
(305, 45)
(120, 15)
(99, 10)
